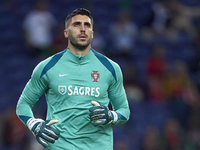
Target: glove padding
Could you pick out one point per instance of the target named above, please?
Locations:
(43, 131)
(100, 115)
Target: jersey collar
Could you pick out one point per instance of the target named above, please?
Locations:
(79, 58)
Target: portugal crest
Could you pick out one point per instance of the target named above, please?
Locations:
(95, 76)
(62, 89)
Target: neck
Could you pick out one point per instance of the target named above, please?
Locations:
(78, 51)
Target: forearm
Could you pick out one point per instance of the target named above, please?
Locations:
(121, 107)
(24, 110)
(123, 116)
(25, 104)
(27, 100)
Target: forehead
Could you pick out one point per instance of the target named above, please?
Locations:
(80, 18)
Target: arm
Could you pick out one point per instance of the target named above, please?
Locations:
(41, 129)
(30, 95)
(118, 98)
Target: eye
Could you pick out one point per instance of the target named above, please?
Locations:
(76, 24)
(87, 24)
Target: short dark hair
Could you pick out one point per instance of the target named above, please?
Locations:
(78, 11)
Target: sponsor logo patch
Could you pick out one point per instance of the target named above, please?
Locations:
(62, 89)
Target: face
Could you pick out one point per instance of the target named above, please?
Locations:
(80, 32)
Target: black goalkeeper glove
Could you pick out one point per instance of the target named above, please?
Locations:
(101, 115)
(43, 131)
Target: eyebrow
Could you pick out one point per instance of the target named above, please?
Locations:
(76, 22)
(79, 22)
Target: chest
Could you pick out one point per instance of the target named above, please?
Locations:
(79, 79)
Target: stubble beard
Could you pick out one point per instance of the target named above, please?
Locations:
(79, 46)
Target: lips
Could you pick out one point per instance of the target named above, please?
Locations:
(83, 36)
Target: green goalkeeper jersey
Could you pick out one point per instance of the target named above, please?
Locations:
(70, 82)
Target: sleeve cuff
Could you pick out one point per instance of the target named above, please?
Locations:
(32, 121)
(115, 117)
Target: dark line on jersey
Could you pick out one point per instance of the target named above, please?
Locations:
(121, 117)
(52, 62)
(105, 62)
(24, 119)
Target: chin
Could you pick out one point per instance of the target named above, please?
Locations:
(84, 44)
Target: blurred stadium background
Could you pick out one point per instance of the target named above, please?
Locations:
(156, 43)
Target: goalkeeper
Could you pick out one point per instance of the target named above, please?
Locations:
(79, 83)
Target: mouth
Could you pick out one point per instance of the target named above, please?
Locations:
(82, 36)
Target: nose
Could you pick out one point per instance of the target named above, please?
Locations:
(82, 27)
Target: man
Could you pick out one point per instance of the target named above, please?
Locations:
(74, 80)
(38, 26)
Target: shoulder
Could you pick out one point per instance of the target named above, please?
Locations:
(103, 58)
(111, 65)
(40, 66)
(47, 64)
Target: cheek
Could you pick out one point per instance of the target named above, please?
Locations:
(72, 34)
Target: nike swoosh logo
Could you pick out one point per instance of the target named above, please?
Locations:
(62, 75)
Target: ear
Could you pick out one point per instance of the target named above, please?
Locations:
(66, 33)
(92, 34)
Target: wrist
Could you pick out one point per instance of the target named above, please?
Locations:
(115, 117)
(32, 121)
